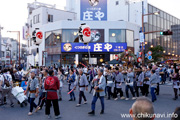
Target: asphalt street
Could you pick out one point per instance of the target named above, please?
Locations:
(113, 109)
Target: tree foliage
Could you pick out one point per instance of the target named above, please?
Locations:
(157, 53)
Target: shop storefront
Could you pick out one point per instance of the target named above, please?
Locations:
(64, 47)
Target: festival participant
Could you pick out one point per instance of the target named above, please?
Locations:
(33, 88)
(175, 78)
(139, 81)
(42, 98)
(157, 79)
(129, 84)
(82, 82)
(153, 83)
(61, 78)
(118, 83)
(6, 85)
(109, 76)
(92, 74)
(146, 83)
(100, 84)
(51, 85)
(71, 80)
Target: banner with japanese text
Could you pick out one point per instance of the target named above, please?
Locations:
(93, 47)
(93, 10)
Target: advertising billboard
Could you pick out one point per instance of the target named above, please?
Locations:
(93, 47)
(93, 10)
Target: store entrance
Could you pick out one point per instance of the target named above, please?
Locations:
(96, 59)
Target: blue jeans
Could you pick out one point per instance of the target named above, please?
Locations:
(72, 95)
(93, 104)
(153, 94)
(131, 89)
(32, 104)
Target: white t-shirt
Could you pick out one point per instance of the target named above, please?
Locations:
(1, 78)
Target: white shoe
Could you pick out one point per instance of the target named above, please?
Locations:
(127, 99)
(133, 98)
(85, 102)
(78, 105)
(122, 98)
(30, 113)
(116, 99)
(56, 117)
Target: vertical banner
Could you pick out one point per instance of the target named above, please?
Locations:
(93, 10)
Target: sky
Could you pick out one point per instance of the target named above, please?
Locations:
(13, 13)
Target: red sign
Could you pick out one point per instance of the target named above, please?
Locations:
(139, 59)
(87, 32)
(116, 57)
(149, 53)
(39, 35)
(140, 53)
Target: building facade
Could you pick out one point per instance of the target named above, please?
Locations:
(115, 21)
(162, 22)
(9, 51)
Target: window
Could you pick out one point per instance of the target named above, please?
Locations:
(2, 54)
(117, 2)
(36, 19)
(130, 38)
(117, 35)
(50, 18)
(70, 35)
(31, 23)
(53, 38)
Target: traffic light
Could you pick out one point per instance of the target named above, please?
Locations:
(168, 32)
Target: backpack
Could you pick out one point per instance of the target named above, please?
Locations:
(6, 82)
(18, 77)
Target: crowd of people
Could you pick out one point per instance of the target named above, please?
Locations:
(46, 83)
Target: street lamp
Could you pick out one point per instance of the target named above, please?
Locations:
(155, 13)
(19, 43)
(164, 51)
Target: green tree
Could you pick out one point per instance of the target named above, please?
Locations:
(157, 53)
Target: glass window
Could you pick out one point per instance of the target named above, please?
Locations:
(117, 2)
(158, 21)
(162, 23)
(154, 20)
(50, 18)
(53, 38)
(168, 25)
(70, 35)
(165, 23)
(130, 38)
(116, 35)
(170, 18)
(165, 16)
(154, 10)
(150, 28)
(161, 14)
(31, 23)
(150, 9)
(150, 19)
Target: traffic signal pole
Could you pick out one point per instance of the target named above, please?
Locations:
(143, 32)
